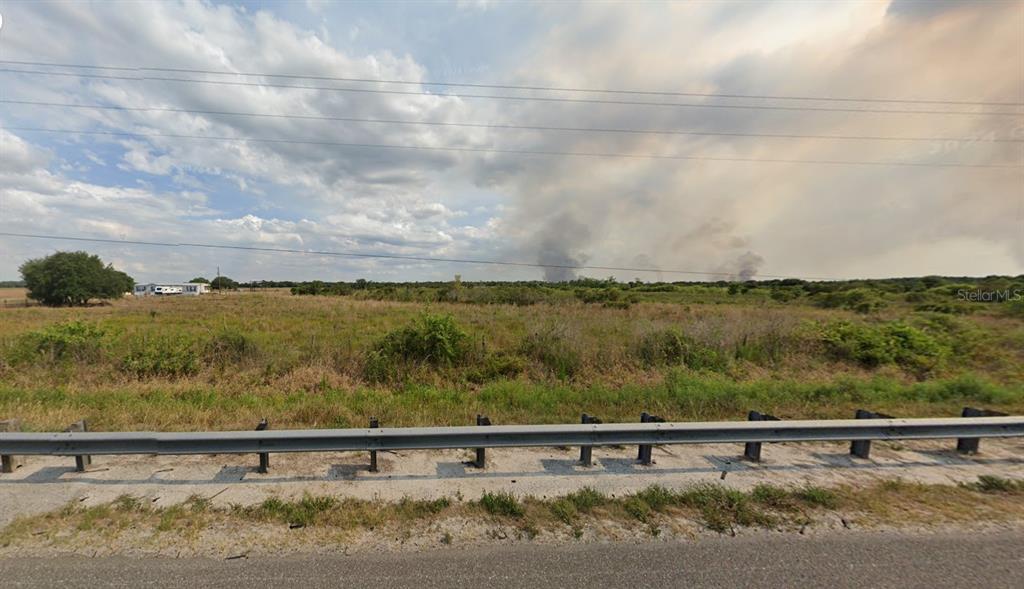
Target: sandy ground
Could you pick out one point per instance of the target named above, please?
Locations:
(48, 483)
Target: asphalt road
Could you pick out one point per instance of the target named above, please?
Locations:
(961, 559)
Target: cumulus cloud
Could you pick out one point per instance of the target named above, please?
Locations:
(736, 217)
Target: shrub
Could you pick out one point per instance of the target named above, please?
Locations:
(230, 346)
(435, 339)
(765, 348)
(550, 347)
(495, 366)
(888, 343)
(70, 340)
(665, 346)
(671, 346)
(170, 356)
(861, 300)
(608, 297)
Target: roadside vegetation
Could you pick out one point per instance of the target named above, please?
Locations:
(434, 354)
(586, 512)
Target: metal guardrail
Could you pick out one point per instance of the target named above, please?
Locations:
(420, 438)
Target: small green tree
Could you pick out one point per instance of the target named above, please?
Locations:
(223, 283)
(73, 278)
(199, 280)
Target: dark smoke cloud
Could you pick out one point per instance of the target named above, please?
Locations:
(744, 267)
(560, 240)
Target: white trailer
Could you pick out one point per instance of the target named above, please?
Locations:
(170, 289)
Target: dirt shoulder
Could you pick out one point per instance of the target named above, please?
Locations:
(219, 506)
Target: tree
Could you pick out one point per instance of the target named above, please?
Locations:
(223, 283)
(73, 278)
(199, 280)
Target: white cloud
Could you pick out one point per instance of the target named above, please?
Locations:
(699, 215)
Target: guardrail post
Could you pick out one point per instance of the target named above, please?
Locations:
(862, 448)
(641, 449)
(586, 452)
(752, 450)
(374, 424)
(970, 445)
(481, 453)
(644, 451)
(10, 463)
(84, 460)
(264, 456)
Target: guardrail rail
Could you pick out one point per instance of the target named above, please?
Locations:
(649, 432)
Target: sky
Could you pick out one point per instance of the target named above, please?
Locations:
(740, 184)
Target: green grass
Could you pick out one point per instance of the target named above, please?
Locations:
(224, 362)
(502, 504)
(682, 396)
(994, 484)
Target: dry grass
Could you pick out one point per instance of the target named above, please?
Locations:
(303, 364)
(716, 508)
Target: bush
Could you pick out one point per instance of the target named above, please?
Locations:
(861, 300)
(230, 346)
(496, 366)
(672, 347)
(434, 339)
(609, 297)
(766, 348)
(889, 343)
(71, 340)
(665, 346)
(170, 356)
(550, 347)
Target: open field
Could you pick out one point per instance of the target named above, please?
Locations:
(12, 297)
(225, 361)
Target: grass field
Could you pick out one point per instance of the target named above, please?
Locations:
(225, 361)
(12, 296)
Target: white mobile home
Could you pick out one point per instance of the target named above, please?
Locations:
(167, 289)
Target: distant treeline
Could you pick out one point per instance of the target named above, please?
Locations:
(943, 294)
(12, 284)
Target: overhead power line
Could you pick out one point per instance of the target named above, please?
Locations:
(385, 256)
(499, 126)
(518, 86)
(141, 78)
(529, 152)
